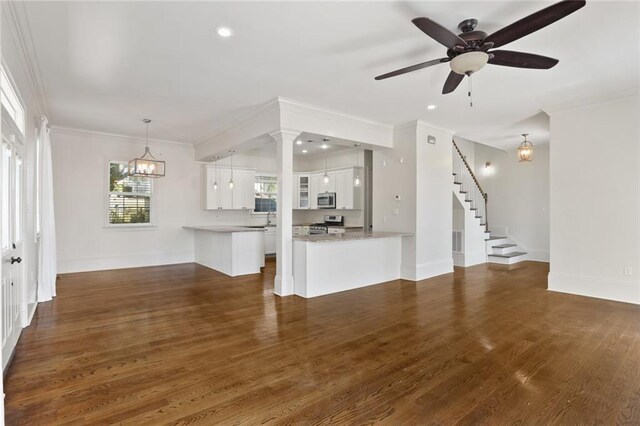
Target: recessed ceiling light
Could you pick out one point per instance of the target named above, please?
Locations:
(299, 142)
(304, 151)
(324, 146)
(224, 32)
(431, 107)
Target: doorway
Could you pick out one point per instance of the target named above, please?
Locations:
(12, 202)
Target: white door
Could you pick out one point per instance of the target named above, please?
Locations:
(11, 237)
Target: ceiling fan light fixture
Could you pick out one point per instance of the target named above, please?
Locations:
(470, 62)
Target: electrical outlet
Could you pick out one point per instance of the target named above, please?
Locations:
(384, 219)
(397, 197)
(628, 271)
(396, 212)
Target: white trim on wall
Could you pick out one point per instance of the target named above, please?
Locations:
(602, 288)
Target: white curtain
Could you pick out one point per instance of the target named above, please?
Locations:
(47, 268)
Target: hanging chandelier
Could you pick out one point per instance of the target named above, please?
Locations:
(147, 165)
(525, 151)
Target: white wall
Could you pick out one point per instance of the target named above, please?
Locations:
(595, 196)
(412, 193)
(518, 196)
(80, 183)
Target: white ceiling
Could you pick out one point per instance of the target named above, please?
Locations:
(107, 65)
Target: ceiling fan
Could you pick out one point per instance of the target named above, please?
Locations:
(469, 51)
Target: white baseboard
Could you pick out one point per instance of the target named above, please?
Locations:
(620, 291)
(426, 270)
(101, 263)
(458, 259)
(538, 255)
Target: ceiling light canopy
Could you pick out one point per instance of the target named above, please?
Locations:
(431, 107)
(224, 32)
(147, 165)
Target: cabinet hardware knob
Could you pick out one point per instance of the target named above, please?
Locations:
(15, 260)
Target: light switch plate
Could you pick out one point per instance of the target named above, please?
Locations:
(431, 139)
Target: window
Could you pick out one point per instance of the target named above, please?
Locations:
(129, 196)
(266, 189)
(10, 101)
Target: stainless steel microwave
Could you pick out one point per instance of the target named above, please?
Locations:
(327, 200)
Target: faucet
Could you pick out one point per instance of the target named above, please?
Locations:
(268, 217)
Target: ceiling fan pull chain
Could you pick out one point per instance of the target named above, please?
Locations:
(470, 90)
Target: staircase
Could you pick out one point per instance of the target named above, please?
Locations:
(499, 249)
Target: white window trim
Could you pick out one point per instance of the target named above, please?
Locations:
(262, 214)
(127, 226)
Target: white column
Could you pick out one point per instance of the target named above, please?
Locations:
(283, 285)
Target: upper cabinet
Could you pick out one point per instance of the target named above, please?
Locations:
(240, 197)
(340, 181)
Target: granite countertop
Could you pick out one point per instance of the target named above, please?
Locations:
(348, 236)
(221, 228)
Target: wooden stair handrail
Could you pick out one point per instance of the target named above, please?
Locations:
(464, 160)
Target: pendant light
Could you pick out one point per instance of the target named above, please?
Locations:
(231, 180)
(147, 165)
(356, 179)
(325, 178)
(525, 151)
(215, 172)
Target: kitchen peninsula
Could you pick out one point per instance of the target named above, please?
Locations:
(232, 250)
(330, 263)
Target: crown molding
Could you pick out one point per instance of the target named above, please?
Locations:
(21, 31)
(297, 106)
(591, 100)
(75, 130)
(241, 121)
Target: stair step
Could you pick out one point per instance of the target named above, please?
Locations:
(508, 255)
(473, 208)
(495, 238)
(502, 246)
(457, 183)
(463, 192)
(478, 217)
(469, 201)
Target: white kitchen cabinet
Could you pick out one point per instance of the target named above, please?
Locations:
(302, 184)
(313, 191)
(243, 194)
(270, 240)
(241, 197)
(348, 197)
(326, 186)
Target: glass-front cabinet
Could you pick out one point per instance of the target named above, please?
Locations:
(303, 192)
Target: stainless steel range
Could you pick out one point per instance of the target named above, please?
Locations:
(323, 228)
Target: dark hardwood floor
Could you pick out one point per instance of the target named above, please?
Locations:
(183, 344)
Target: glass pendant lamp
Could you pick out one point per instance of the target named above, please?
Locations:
(147, 165)
(525, 151)
(215, 172)
(356, 179)
(325, 178)
(231, 184)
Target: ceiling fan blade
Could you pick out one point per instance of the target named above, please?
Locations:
(438, 32)
(452, 82)
(534, 22)
(412, 68)
(509, 58)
